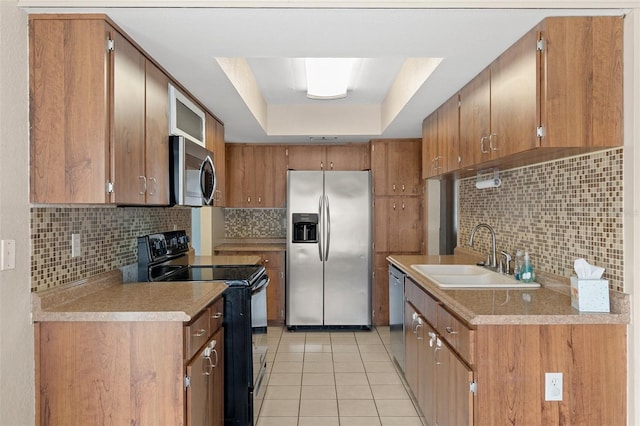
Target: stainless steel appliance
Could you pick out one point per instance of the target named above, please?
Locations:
(192, 174)
(396, 314)
(161, 258)
(328, 249)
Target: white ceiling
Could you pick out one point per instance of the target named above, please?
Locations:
(186, 41)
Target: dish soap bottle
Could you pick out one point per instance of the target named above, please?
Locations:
(517, 265)
(526, 272)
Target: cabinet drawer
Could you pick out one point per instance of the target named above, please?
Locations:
(196, 334)
(457, 334)
(273, 260)
(414, 294)
(216, 315)
(422, 300)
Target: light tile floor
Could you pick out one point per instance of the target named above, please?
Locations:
(337, 378)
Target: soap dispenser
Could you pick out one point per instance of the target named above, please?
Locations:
(526, 272)
(517, 265)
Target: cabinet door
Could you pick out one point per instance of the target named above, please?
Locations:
(215, 143)
(411, 347)
(240, 176)
(514, 98)
(385, 223)
(274, 264)
(68, 93)
(454, 402)
(127, 142)
(430, 146)
(217, 380)
(427, 391)
(220, 164)
(404, 163)
(306, 157)
(379, 168)
(270, 176)
(448, 135)
(405, 233)
(380, 291)
(202, 379)
(475, 120)
(157, 135)
(347, 157)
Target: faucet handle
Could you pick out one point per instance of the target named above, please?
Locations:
(507, 258)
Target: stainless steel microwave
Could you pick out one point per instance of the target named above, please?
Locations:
(192, 174)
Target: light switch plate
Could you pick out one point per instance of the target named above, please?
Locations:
(7, 254)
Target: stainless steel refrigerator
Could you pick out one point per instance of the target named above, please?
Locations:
(328, 249)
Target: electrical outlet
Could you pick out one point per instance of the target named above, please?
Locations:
(76, 246)
(553, 386)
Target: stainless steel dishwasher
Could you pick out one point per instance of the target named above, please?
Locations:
(396, 314)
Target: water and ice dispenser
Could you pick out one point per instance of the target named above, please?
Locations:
(305, 227)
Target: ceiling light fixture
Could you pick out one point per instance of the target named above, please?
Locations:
(328, 78)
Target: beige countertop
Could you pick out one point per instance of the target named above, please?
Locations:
(543, 305)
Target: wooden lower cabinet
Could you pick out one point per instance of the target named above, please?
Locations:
(128, 372)
(495, 374)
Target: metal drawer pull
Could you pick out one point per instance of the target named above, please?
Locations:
(450, 330)
(217, 315)
(200, 333)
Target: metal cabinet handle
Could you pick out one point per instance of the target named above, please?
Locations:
(419, 337)
(249, 200)
(154, 187)
(331, 165)
(482, 150)
(259, 200)
(217, 315)
(144, 184)
(266, 260)
(450, 330)
(200, 333)
(394, 187)
(402, 187)
(215, 363)
(491, 138)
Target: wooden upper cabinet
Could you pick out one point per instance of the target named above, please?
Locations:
(328, 157)
(347, 157)
(69, 110)
(256, 175)
(514, 98)
(129, 178)
(581, 95)
(157, 135)
(270, 175)
(215, 143)
(430, 145)
(396, 166)
(475, 120)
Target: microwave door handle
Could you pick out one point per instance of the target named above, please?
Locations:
(207, 197)
(319, 232)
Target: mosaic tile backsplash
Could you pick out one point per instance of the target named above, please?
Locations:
(558, 211)
(255, 223)
(108, 239)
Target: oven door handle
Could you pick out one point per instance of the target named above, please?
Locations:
(264, 282)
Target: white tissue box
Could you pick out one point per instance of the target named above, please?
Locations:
(590, 295)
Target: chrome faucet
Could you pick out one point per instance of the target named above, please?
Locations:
(494, 261)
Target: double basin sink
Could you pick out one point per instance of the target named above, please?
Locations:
(468, 276)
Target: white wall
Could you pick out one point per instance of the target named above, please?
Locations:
(16, 331)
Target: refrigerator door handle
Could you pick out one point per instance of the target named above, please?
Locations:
(319, 234)
(328, 211)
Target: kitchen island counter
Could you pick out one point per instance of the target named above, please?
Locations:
(549, 304)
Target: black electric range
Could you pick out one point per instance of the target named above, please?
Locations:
(162, 257)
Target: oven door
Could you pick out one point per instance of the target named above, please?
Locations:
(259, 340)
